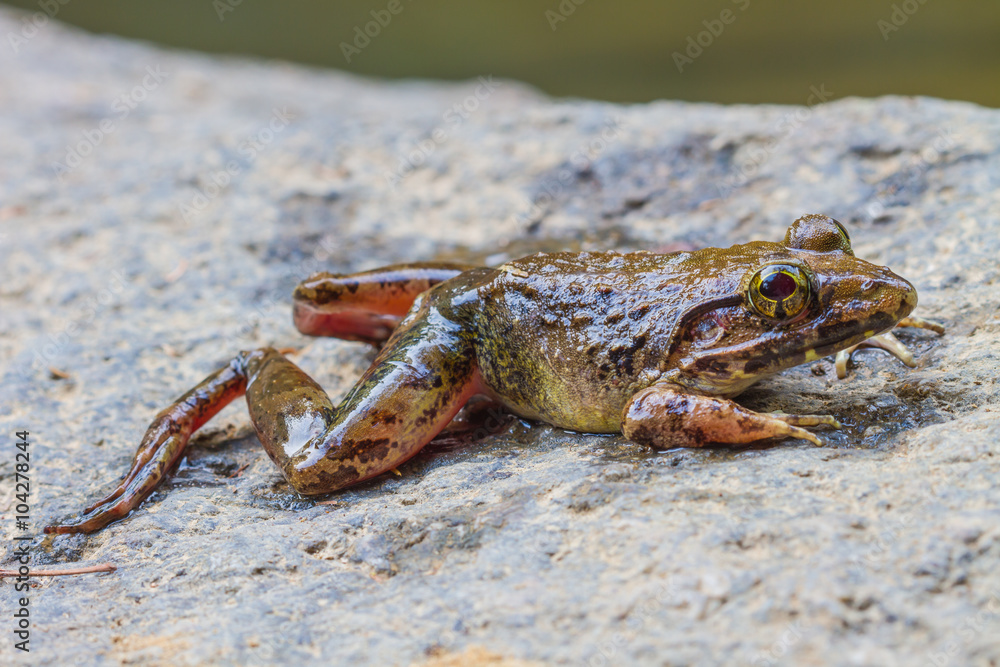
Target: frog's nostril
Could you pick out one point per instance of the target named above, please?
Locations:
(871, 285)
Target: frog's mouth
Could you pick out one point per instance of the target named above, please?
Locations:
(848, 336)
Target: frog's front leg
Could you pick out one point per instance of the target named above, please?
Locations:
(888, 342)
(423, 376)
(665, 415)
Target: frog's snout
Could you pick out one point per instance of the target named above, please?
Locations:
(909, 298)
(890, 298)
(905, 295)
(870, 299)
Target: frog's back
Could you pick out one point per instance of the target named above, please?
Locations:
(569, 337)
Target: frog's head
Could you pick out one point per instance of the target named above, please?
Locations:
(797, 301)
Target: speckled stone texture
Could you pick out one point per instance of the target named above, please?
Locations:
(156, 209)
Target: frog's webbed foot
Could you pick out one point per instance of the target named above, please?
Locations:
(888, 342)
(664, 416)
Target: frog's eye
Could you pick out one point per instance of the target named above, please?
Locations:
(779, 291)
(819, 233)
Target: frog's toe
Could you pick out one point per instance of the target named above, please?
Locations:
(148, 471)
(840, 362)
(111, 497)
(808, 420)
(921, 323)
(802, 434)
(885, 341)
(888, 342)
(94, 519)
(891, 344)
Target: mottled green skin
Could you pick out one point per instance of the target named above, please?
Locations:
(650, 345)
(569, 338)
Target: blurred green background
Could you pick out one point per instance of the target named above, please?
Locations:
(622, 50)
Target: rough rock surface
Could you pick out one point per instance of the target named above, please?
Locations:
(143, 266)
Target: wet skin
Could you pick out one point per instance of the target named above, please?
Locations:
(649, 345)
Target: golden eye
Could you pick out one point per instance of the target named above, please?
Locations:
(779, 291)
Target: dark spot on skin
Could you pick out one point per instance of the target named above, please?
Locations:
(881, 321)
(437, 382)
(710, 366)
(759, 364)
(344, 475)
(829, 332)
(638, 312)
(525, 289)
(417, 383)
(614, 318)
(366, 451)
(825, 298)
(622, 356)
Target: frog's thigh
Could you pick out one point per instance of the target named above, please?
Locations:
(416, 385)
(365, 306)
(664, 416)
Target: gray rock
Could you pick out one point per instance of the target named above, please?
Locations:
(146, 265)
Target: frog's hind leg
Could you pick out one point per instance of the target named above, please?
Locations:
(424, 376)
(421, 379)
(163, 444)
(365, 306)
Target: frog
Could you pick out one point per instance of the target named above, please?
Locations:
(652, 346)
